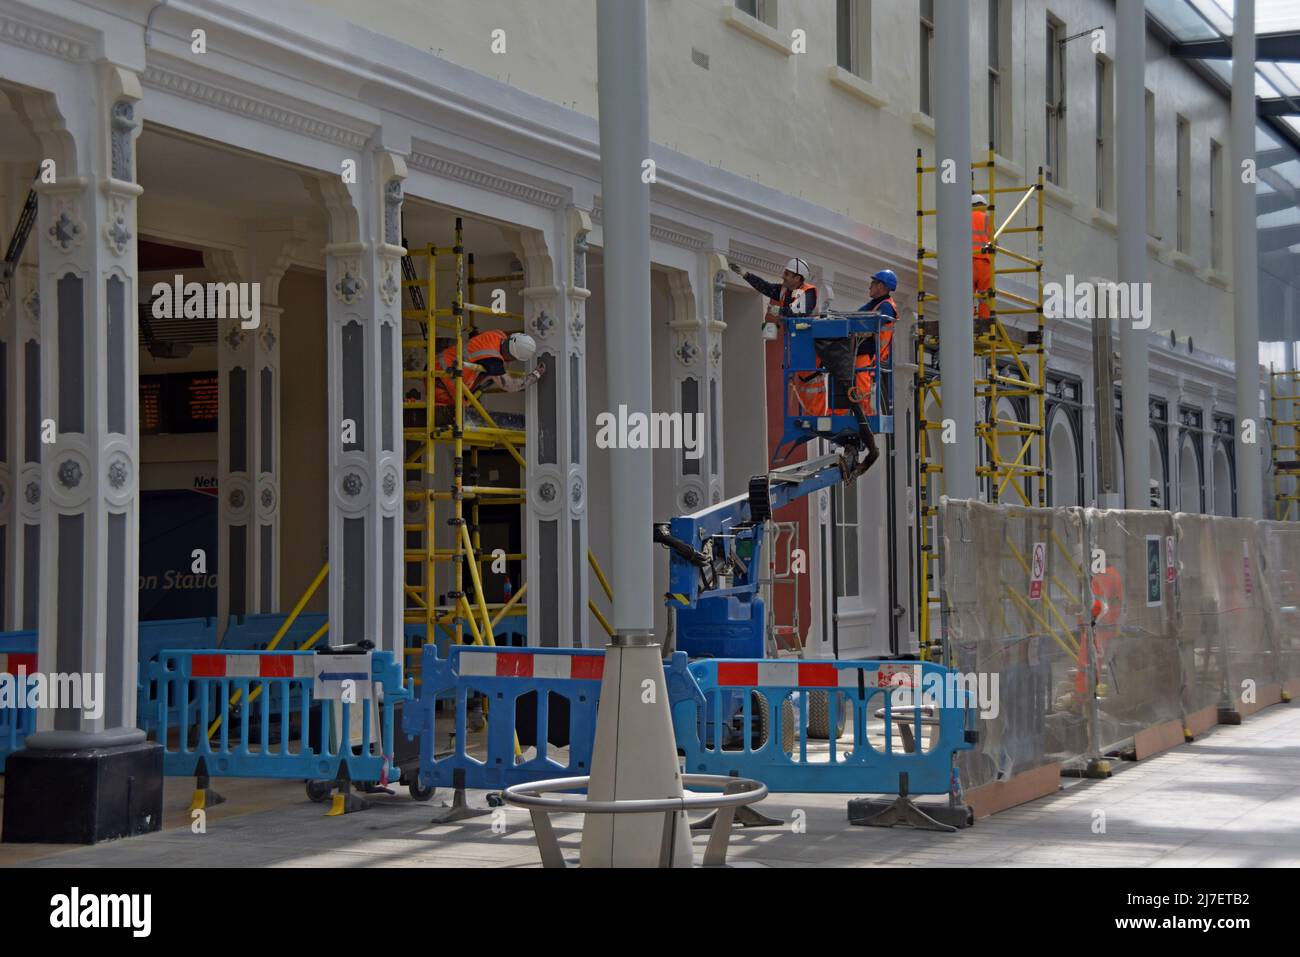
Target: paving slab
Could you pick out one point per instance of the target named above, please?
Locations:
(1232, 798)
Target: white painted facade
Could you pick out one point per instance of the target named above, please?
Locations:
(765, 155)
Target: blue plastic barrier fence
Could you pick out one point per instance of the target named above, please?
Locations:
(186, 633)
(882, 696)
(278, 734)
(503, 676)
(565, 687)
(17, 653)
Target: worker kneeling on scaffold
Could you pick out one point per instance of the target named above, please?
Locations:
(795, 296)
(489, 352)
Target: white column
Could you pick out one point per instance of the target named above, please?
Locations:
(90, 473)
(364, 416)
(624, 146)
(1245, 273)
(957, 333)
(555, 308)
(1131, 186)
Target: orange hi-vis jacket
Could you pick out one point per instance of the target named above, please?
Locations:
(483, 347)
(1108, 608)
(980, 232)
(785, 306)
(812, 389)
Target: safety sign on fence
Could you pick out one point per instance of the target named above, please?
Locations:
(1037, 571)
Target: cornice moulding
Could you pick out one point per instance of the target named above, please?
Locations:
(463, 172)
(242, 104)
(42, 39)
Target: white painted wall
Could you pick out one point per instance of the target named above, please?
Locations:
(777, 118)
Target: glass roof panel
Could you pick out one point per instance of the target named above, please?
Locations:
(1219, 13)
(1276, 16)
(1271, 16)
(1282, 81)
(1180, 19)
(1289, 171)
(1282, 217)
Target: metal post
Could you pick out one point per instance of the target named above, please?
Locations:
(1291, 386)
(1131, 213)
(952, 157)
(624, 146)
(1245, 278)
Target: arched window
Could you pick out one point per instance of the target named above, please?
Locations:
(1158, 471)
(1063, 471)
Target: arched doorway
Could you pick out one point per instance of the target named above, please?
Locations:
(1157, 471)
(1062, 460)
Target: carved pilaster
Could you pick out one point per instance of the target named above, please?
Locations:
(364, 403)
(86, 231)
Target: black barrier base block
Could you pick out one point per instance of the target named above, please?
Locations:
(1229, 716)
(459, 810)
(83, 796)
(745, 816)
(874, 812)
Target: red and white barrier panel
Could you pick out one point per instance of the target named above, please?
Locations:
(253, 666)
(810, 674)
(11, 662)
(490, 663)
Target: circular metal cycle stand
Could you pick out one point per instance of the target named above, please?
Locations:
(737, 792)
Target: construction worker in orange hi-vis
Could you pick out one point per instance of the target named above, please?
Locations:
(1107, 613)
(484, 359)
(981, 238)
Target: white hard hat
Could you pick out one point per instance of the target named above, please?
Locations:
(522, 346)
(977, 199)
(799, 266)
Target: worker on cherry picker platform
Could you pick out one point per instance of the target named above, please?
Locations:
(881, 289)
(794, 295)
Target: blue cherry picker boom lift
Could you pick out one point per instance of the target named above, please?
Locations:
(716, 554)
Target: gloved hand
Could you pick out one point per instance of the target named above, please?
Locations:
(537, 372)
(736, 269)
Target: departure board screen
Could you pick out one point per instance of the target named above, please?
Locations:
(178, 402)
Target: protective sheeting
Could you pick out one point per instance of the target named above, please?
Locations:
(1132, 578)
(1223, 616)
(1091, 626)
(1014, 581)
(1280, 557)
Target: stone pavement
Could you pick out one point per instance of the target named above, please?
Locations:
(1231, 799)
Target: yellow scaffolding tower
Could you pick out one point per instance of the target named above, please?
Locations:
(1010, 381)
(1284, 412)
(459, 609)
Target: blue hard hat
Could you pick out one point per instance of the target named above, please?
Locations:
(888, 278)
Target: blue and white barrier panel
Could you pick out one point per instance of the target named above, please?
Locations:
(17, 662)
(548, 735)
(900, 717)
(298, 715)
